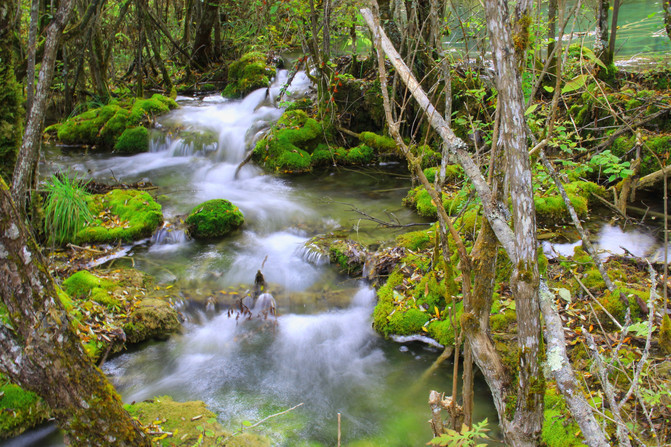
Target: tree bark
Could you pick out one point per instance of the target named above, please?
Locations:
(666, 5)
(41, 351)
(601, 37)
(202, 52)
(32, 138)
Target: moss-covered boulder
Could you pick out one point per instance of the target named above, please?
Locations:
(121, 215)
(247, 74)
(104, 126)
(187, 424)
(287, 148)
(20, 410)
(348, 255)
(84, 284)
(152, 319)
(213, 219)
(133, 140)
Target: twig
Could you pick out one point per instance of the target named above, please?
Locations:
(596, 301)
(260, 422)
(387, 224)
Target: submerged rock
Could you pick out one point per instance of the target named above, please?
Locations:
(187, 424)
(213, 219)
(350, 256)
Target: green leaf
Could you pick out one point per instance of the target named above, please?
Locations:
(531, 109)
(640, 329)
(246, 423)
(575, 83)
(548, 88)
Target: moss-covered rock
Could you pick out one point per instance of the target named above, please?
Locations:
(378, 142)
(288, 146)
(133, 140)
(248, 73)
(20, 410)
(152, 319)
(84, 284)
(121, 215)
(213, 219)
(103, 126)
(187, 424)
(452, 173)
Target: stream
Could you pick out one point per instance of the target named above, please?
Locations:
(323, 351)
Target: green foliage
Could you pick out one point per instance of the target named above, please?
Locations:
(84, 285)
(611, 165)
(121, 215)
(133, 140)
(452, 173)
(66, 209)
(213, 219)
(360, 155)
(416, 240)
(464, 438)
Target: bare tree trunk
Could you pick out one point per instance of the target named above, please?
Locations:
(139, 62)
(41, 352)
(32, 43)
(32, 139)
(613, 31)
(666, 5)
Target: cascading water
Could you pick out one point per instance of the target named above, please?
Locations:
(322, 350)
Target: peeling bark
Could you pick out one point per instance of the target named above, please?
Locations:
(41, 351)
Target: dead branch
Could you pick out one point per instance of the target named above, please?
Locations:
(380, 222)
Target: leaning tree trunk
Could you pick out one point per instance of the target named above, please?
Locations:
(24, 171)
(41, 351)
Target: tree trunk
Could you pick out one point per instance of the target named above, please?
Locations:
(528, 420)
(666, 4)
(202, 52)
(32, 43)
(601, 34)
(32, 139)
(613, 31)
(41, 351)
(11, 112)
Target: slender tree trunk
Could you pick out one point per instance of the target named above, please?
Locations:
(139, 62)
(32, 48)
(666, 5)
(613, 31)
(41, 351)
(30, 148)
(552, 33)
(528, 420)
(601, 33)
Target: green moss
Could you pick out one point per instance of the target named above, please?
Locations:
(20, 410)
(406, 322)
(152, 318)
(248, 73)
(103, 126)
(213, 219)
(550, 206)
(501, 321)
(133, 140)
(417, 240)
(612, 302)
(360, 155)
(83, 282)
(190, 422)
(452, 173)
(559, 429)
(430, 292)
(379, 142)
(122, 215)
(348, 255)
(287, 148)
